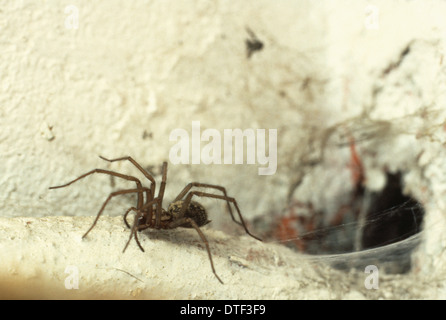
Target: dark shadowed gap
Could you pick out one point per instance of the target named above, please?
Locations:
(390, 220)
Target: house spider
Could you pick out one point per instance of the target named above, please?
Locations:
(182, 212)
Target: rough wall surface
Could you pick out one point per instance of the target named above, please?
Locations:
(103, 78)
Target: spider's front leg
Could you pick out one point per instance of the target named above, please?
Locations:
(145, 213)
(111, 195)
(141, 169)
(150, 194)
(134, 230)
(111, 173)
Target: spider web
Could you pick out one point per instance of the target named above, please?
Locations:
(335, 245)
(374, 228)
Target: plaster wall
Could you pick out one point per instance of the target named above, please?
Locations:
(81, 79)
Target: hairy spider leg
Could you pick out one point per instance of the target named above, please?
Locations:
(136, 226)
(185, 220)
(140, 200)
(160, 197)
(147, 217)
(141, 169)
(148, 214)
(205, 185)
(215, 196)
(125, 216)
(145, 173)
(206, 243)
(146, 210)
(111, 195)
(131, 232)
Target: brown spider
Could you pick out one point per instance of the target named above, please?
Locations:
(182, 212)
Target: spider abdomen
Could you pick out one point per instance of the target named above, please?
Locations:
(194, 211)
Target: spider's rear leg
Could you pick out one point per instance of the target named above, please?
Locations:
(206, 185)
(189, 196)
(191, 222)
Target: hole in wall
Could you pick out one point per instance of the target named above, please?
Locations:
(376, 228)
(395, 216)
(388, 236)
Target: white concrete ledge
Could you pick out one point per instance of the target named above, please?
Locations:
(45, 257)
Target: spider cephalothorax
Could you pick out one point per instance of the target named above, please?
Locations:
(182, 212)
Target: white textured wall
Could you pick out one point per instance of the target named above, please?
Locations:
(129, 75)
(132, 72)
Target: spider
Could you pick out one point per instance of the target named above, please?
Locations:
(182, 212)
